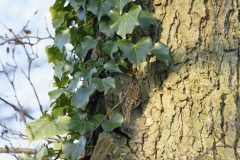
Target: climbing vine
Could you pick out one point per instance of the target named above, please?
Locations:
(100, 35)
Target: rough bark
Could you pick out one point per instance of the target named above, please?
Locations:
(189, 109)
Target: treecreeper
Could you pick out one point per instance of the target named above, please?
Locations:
(131, 99)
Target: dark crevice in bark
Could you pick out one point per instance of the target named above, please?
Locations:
(191, 7)
(170, 28)
(222, 107)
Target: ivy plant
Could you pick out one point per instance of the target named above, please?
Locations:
(102, 28)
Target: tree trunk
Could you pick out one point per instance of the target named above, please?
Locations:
(189, 109)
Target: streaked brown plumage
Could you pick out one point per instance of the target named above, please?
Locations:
(131, 98)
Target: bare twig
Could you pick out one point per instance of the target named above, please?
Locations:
(17, 41)
(21, 135)
(24, 112)
(18, 150)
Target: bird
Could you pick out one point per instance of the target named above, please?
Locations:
(131, 98)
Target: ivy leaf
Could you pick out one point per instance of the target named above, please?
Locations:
(104, 84)
(110, 47)
(41, 151)
(104, 27)
(41, 128)
(119, 4)
(114, 122)
(87, 74)
(146, 18)
(121, 61)
(98, 118)
(55, 93)
(161, 51)
(88, 43)
(57, 17)
(81, 2)
(111, 67)
(58, 69)
(56, 112)
(136, 53)
(72, 85)
(81, 14)
(62, 37)
(94, 64)
(68, 67)
(98, 7)
(79, 125)
(73, 150)
(24, 156)
(81, 97)
(80, 53)
(124, 24)
(76, 35)
(73, 3)
(54, 54)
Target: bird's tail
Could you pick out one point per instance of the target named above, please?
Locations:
(127, 119)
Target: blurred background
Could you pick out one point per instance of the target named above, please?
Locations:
(25, 75)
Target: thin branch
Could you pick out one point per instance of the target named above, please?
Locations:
(18, 150)
(24, 112)
(17, 40)
(21, 135)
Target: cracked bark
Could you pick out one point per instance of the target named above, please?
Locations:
(190, 109)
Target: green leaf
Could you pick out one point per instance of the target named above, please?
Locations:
(73, 3)
(72, 85)
(68, 67)
(146, 18)
(56, 112)
(124, 24)
(59, 4)
(62, 37)
(104, 84)
(114, 122)
(119, 4)
(110, 47)
(55, 93)
(57, 145)
(58, 69)
(88, 26)
(41, 151)
(94, 64)
(87, 74)
(98, 7)
(81, 97)
(88, 43)
(81, 2)
(111, 67)
(121, 61)
(54, 54)
(80, 125)
(24, 156)
(76, 35)
(80, 53)
(161, 51)
(73, 150)
(104, 27)
(96, 119)
(41, 128)
(136, 53)
(57, 17)
(81, 14)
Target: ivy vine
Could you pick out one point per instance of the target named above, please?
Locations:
(102, 27)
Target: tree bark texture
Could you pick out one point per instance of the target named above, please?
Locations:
(190, 109)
